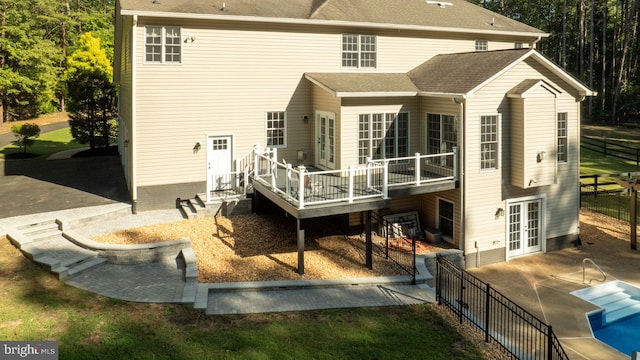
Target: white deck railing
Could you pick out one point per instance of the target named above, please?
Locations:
(303, 188)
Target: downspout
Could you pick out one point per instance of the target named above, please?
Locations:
(535, 42)
(133, 144)
(461, 171)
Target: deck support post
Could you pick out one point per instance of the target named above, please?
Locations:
(369, 242)
(300, 233)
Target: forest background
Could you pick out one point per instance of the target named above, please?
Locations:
(596, 41)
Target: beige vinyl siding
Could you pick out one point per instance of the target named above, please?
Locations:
(564, 197)
(125, 106)
(515, 157)
(486, 191)
(533, 131)
(232, 73)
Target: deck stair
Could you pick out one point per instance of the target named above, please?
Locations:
(617, 299)
(226, 205)
(45, 244)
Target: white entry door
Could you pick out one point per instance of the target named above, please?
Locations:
(219, 175)
(525, 227)
(326, 132)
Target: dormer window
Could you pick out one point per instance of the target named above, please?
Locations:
(359, 51)
(482, 45)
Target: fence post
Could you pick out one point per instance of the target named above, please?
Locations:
(438, 279)
(461, 294)
(595, 186)
(413, 249)
(549, 342)
(486, 313)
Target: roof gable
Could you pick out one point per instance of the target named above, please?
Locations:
(528, 86)
(461, 73)
(465, 73)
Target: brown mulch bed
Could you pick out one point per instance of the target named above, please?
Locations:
(264, 248)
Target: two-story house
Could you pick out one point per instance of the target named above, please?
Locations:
(439, 107)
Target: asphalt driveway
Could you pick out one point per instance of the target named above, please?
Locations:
(35, 185)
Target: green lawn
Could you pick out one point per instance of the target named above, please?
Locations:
(36, 306)
(46, 144)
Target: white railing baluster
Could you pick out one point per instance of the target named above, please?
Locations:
(385, 179)
(351, 183)
(455, 163)
(416, 168)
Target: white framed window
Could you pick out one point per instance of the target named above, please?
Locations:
(276, 128)
(518, 45)
(562, 137)
(442, 135)
(482, 45)
(359, 51)
(383, 136)
(446, 218)
(162, 45)
(489, 141)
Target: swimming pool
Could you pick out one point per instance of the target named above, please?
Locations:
(617, 322)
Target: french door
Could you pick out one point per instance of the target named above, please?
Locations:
(326, 145)
(524, 227)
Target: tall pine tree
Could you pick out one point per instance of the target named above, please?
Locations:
(92, 96)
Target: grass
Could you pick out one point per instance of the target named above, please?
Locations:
(35, 305)
(46, 144)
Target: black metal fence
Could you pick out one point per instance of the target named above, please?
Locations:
(602, 194)
(515, 330)
(401, 251)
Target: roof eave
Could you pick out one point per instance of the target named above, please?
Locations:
(176, 15)
(444, 94)
(581, 88)
(354, 94)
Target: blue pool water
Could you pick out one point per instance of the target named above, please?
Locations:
(624, 335)
(617, 321)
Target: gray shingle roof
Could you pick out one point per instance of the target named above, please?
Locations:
(364, 82)
(411, 13)
(461, 73)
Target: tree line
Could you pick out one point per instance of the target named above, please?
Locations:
(36, 39)
(597, 41)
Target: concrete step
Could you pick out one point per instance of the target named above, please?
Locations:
(81, 267)
(184, 205)
(49, 262)
(189, 292)
(45, 235)
(38, 228)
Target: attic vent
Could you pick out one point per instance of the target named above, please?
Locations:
(441, 4)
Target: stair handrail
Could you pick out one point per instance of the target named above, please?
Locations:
(584, 261)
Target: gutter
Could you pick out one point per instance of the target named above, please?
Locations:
(461, 175)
